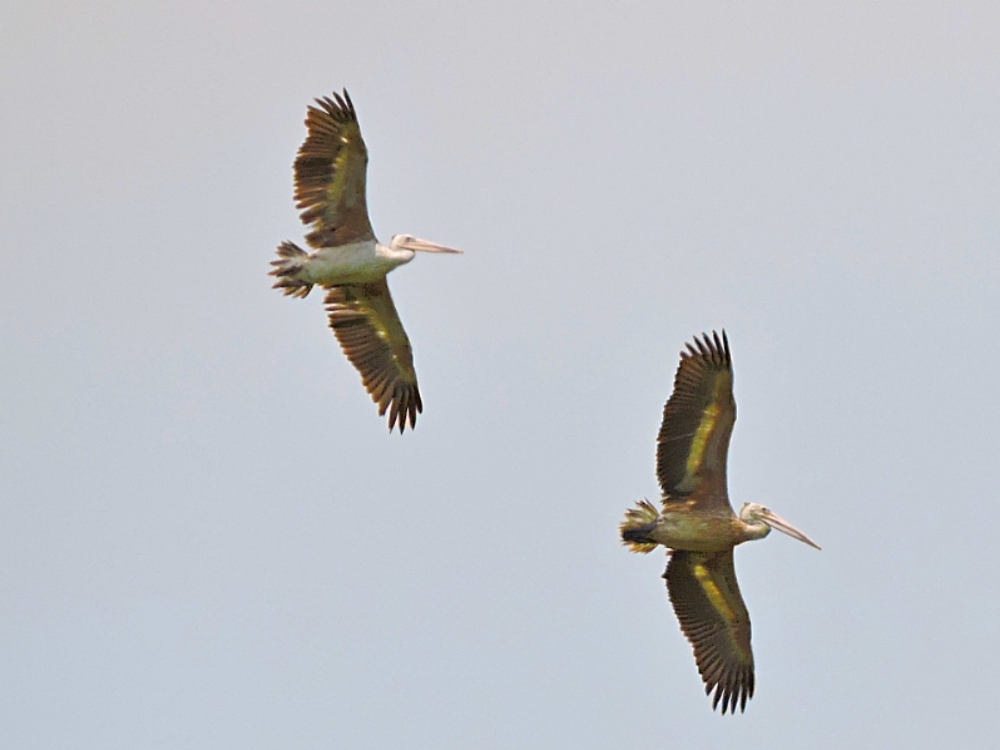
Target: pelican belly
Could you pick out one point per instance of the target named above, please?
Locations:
(696, 532)
(356, 263)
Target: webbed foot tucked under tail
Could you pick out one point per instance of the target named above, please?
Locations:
(290, 264)
(638, 524)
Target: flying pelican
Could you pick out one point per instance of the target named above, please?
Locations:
(348, 261)
(697, 522)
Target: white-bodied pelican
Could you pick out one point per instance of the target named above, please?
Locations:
(348, 261)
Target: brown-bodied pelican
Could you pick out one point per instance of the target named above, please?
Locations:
(697, 522)
(348, 261)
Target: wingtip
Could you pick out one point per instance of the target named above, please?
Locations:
(338, 106)
(403, 409)
(710, 346)
(732, 692)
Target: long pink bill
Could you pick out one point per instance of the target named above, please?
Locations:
(775, 521)
(425, 246)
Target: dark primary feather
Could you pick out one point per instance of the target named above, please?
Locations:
(330, 174)
(697, 420)
(707, 601)
(366, 324)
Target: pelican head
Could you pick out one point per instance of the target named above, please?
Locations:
(409, 242)
(761, 520)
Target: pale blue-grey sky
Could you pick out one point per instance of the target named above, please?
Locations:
(208, 538)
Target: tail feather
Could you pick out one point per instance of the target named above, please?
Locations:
(638, 524)
(291, 262)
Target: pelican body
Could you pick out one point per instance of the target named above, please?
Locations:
(697, 524)
(359, 262)
(348, 261)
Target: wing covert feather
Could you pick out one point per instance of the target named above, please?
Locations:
(365, 321)
(706, 599)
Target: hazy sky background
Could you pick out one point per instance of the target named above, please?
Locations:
(209, 540)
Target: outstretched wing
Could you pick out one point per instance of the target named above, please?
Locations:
(697, 423)
(368, 328)
(706, 599)
(330, 175)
